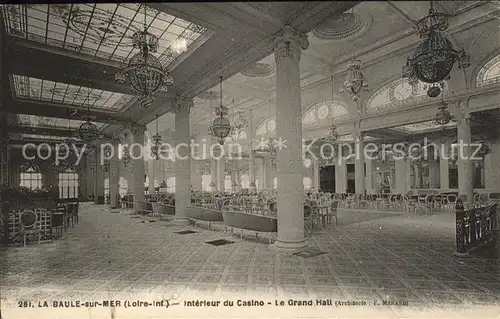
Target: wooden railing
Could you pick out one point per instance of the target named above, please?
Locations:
(475, 227)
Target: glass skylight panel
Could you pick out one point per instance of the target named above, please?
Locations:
(104, 29)
(50, 122)
(54, 92)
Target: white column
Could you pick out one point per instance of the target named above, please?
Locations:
(369, 176)
(359, 165)
(407, 175)
(262, 170)
(221, 173)
(114, 176)
(290, 193)
(340, 176)
(98, 178)
(213, 173)
(251, 159)
(401, 174)
(433, 174)
(136, 150)
(492, 167)
(151, 176)
(316, 175)
(182, 160)
(464, 164)
(444, 166)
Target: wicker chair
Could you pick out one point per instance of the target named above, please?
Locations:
(28, 219)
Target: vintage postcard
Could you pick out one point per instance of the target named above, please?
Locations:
(300, 159)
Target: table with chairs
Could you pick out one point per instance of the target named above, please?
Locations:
(37, 222)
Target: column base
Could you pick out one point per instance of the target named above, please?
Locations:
(289, 246)
(461, 255)
(180, 221)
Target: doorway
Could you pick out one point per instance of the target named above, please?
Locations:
(327, 179)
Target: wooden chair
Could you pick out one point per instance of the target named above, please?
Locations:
(28, 219)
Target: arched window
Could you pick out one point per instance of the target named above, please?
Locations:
(31, 178)
(275, 182)
(309, 117)
(489, 73)
(205, 182)
(68, 184)
(307, 182)
(324, 111)
(146, 182)
(266, 127)
(397, 93)
(123, 186)
(171, 184)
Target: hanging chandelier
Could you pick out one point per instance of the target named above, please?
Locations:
(156, 143)
(354, 80)
(483, 150)
(333, 135)
(145, 73)
(443, 116)
(434, 58)
(87, 131)
(107, 155)
(221, 127)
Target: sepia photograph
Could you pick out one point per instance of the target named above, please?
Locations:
(287, 159)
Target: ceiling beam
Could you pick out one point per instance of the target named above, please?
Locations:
(64, 66)
(40, 131)
(396, 8)
(61, 111)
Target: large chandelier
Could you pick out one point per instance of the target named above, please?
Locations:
(156, 143)
(145, 73)
(434, 58)
(221, 127)
(87, 131)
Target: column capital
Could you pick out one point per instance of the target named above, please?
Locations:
(182, 105)
(288, 43)
(138, 129)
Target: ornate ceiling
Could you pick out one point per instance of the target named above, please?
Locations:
(103, 30)
(83, 45)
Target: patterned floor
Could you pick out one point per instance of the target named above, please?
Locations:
(370, 256)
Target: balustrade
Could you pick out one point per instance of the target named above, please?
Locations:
(475, 227)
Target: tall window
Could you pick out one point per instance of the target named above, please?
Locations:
(31, 178)
(68, 184)
(205, 182)
(307, 182)
(257, 183)
(123, 186)
(227, 184)
(171, 184)
(275, 182)
(245, 182)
